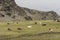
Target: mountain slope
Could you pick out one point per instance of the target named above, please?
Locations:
(9, 11)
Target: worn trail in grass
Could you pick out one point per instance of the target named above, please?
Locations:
(40, 36)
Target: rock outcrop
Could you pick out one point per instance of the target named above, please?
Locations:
(9, 11)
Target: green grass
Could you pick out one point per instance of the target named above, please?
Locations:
(36, 29)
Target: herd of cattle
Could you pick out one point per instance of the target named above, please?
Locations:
(30, 26)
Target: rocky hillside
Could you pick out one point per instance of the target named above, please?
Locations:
(9, 11)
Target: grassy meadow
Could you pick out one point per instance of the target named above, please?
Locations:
(36, 32)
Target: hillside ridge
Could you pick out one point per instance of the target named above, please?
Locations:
(10, 11)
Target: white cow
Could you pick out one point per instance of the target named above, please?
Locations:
(50, 29)
(29, 26)
(40, 23)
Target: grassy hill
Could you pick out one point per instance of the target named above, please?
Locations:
(37, 32)
(14, 22)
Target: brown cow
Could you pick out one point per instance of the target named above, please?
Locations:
(43, 24)
(9, 29)
(19, 29)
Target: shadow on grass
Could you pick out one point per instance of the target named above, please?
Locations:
(9, 37)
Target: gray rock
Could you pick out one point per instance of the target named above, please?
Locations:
(10, 11)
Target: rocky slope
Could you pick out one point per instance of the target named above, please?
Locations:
(9, 11)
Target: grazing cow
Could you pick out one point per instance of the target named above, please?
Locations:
(8, 23)
(40, 23)
(58, 20)
(35, 22)
(19, 29)
(43, 24)
(50, 29)
(9, 29)
(29, 26)
(17, 22)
